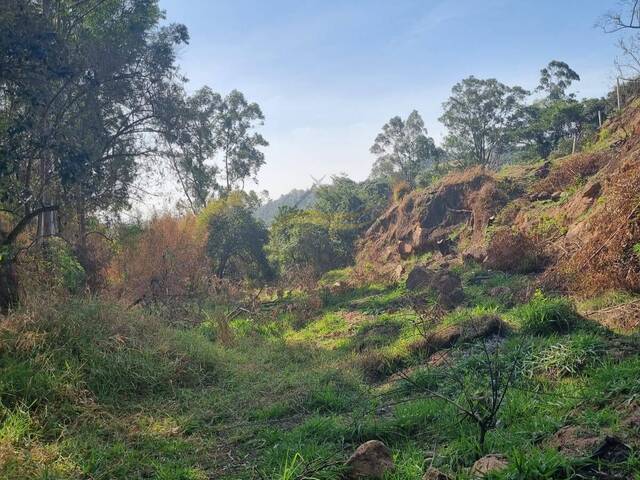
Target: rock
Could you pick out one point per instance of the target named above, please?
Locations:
(574, 441)
(555, 196)
(444, 246)
(398, 271)
(435, 474)
(370, 460)
(404, 249)
(419, 278)
(593, 191)
(449, 287)
(446, 283)
(543, 171)
(489, 463)
(420, 238)
(612, 450)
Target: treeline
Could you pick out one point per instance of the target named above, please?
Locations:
(91, 98)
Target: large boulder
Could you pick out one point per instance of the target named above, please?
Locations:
(489, 463)
(419, 278)
(370, 460)
(449, 287)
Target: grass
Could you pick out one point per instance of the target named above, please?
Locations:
(544, 315)
(89, 390)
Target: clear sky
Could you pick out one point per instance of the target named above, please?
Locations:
(329, 73)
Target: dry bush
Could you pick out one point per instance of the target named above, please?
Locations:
(167, 260)
(571, 170)
(400, 189)
(514, 252)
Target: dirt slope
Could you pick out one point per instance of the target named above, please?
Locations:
(575, 221)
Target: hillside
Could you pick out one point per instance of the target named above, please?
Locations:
(574, 220)
(288, 386)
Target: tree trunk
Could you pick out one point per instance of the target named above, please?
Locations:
(8, 285)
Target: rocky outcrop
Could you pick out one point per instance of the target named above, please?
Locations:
(370, 460)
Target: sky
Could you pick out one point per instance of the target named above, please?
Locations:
(329, 73)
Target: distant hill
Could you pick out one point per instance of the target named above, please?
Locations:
(295, 198)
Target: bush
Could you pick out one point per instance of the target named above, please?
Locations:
(543, 315)
(308, 243)
(165, 260)
(400, 190)
(236, 239)
(513, 252)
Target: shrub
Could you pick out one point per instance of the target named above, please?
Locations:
(310, 243)
(543, 315)
(164, 261)
(236, 239)
(400, 190)
(514, 252)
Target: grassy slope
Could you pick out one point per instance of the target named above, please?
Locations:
(90, 391)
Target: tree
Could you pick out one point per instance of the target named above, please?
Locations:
(236, 239)
(555, 78)
(482, 117)
(360, 202)
(558, 116)
(626, 19)
(309, 241)
(190, 143)
(77, 99)
(239, 145)
(404, 149)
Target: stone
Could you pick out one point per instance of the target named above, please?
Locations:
(435, 474)
(419, 278)
(555, 196)
(493, 462)
(404, 249)
(449, 287)
(593, 191)
(370, 460)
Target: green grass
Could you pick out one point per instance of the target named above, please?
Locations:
(89, 390)
(544, 315)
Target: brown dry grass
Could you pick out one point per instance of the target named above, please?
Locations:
(604, 258)
(569, 170)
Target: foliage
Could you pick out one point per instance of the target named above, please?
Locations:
(312, 239)
(236, 239)
(544, 315)
(482, 116)
(239, 145)
(404, 150)
(163, 261)
(568, 357)
(361, 202)
(555, 78)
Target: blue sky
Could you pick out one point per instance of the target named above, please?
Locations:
(329, 73)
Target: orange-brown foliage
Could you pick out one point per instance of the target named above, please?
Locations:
(167, 260)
